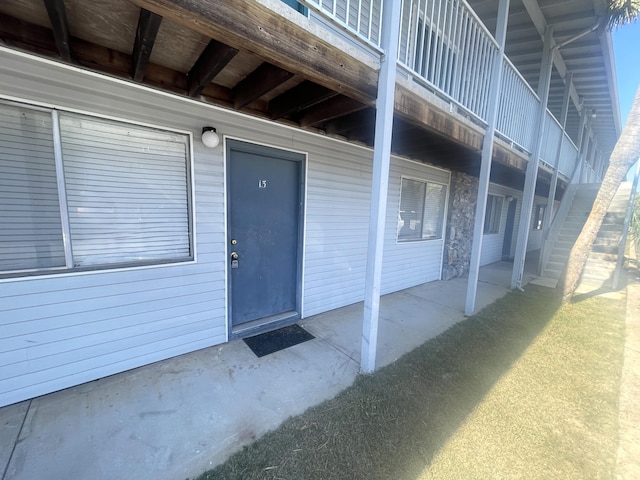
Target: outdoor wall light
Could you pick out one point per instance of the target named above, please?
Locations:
(209, 137)
(594, 114)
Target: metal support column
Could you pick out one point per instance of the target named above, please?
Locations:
(487, 153)
(380, 182)
(534, 160)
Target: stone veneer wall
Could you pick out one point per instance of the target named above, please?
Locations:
(459, 234)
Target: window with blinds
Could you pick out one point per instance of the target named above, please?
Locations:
(30, 225)
(493, 214)
(421, 214)
(118, 193)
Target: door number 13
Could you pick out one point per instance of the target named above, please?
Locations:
(262, 184)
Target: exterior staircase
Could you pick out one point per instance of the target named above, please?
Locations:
(599, 269)
(565, 236)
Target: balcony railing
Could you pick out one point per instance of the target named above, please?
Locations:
(444, 46)
(361, 17)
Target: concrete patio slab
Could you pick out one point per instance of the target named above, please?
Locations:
(175, 419)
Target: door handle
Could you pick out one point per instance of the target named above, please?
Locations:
(234, 256)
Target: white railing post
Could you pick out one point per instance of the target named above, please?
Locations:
(546, 221)
(487, 154)
(380, 184)
(549, 214)
(534, 159)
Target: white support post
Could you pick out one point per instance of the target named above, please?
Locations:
(487, 153)
(588, 148)
(532, 166)
(380, 182)
(548, 214)
(546, 221)
(580, 144)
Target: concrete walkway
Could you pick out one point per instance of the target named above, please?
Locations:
(177, 418)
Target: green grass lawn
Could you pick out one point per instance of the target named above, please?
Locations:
(523, 389)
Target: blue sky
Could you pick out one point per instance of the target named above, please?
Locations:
(626, 43)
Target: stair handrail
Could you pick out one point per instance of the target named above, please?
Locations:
(615, 283)
(551, 235)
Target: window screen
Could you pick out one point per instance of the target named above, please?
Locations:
(30, 225)
(126, 191)
(421, 213)
(119, 193)
(493, 214)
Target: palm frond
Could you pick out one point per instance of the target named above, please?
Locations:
(621, 12)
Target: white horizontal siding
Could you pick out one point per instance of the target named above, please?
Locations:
(407, 264)
(492, 242)
(64, 329)
(338, 196)
(535, 236)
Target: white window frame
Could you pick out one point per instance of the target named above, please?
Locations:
(493, 222)
(442, 213)
(64, 215)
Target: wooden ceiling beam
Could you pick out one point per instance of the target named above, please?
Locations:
(259, 82)
(330, 109)
(344, 124)
(28, 36)
(254, 27)
(60, 27)
(148, 26)
(212, 60)
(303, 95)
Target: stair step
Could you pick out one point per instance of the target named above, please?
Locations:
(555, 266)
(558, 258)
(604, 257)
(605, 249)
(551, 274)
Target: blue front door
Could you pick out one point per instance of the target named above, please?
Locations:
(264, 204)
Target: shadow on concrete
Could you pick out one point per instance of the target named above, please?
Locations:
(391, 424)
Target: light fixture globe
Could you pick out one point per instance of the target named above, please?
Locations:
(210, 138)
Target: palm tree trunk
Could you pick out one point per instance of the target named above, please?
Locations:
(624, 155)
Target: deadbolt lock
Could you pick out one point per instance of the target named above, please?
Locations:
(234, 241)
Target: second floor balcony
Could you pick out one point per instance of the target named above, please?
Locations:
(314, 64)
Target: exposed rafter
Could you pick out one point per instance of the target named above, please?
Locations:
(59, 26)
(345, 123)
(148, 26)
(539, 21)
(330, 109)
(298, 98)
(262, 80)
(287, 45)
(212, 60)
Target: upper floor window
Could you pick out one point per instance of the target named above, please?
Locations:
(422, 207)
(80, 191)
(298, 7)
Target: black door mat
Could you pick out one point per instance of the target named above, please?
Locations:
(276, 340)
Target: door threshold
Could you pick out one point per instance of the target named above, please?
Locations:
(264, 324)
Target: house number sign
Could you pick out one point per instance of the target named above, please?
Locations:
(262, 184)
